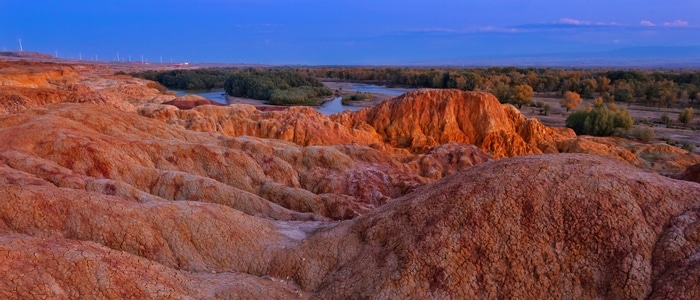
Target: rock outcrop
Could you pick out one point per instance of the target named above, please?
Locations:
(549, 226)
(426, 118)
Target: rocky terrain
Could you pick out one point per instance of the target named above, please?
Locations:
(109, 192)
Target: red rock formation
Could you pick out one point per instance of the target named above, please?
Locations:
(551, 226)
(426, 118)
(101, 149)
(535, 227)
(118, 197)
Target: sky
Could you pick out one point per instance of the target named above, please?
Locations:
(346, 32)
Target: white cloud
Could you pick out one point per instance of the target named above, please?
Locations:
(573, 21)
(569, 21)
(647, 23)
(676, 23)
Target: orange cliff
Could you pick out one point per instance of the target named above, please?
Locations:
(107, 193)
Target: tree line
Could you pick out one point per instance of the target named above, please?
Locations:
(195, 79)
(661, 88)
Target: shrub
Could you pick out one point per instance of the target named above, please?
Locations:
(600, 121)
(688, 147)
(643, 133)
(358, 97)
(546, 109)
(665, 119)
(686, 115)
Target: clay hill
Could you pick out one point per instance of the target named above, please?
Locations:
(108, 192)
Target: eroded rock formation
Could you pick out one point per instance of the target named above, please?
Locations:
(537, 226)
(426, 118)
(130, 198)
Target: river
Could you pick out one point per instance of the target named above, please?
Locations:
(327, 108)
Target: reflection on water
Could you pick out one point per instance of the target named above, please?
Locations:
(379, 89)
(215, 95)
(327, 108)
(334, 106)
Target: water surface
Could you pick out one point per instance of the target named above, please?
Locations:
(327, 108)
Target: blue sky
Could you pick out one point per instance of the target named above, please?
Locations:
(343, 31)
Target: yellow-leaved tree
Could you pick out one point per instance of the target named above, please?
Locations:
(571, 100)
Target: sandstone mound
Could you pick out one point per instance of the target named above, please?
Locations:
(426, 118)
(551, 226)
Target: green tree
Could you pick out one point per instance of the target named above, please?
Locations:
(623, 93)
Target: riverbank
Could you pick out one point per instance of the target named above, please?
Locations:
(379, 93)
(327, 106)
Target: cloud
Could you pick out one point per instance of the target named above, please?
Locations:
(676, 23)
(573, 22)
(647, 23)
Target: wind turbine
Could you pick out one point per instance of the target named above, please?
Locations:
(20, 46)
(117, 56)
